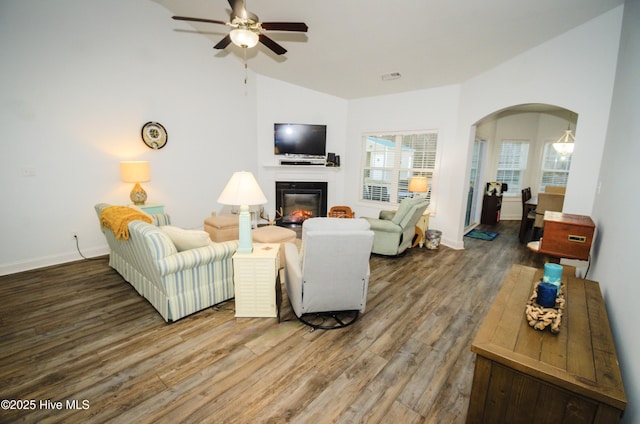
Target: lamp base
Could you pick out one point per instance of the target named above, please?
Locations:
(244, 230)
(138, 196)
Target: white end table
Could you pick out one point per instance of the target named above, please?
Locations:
(257, 286)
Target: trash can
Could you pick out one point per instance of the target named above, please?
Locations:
(433, 239)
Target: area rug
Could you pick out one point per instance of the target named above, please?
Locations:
(482, 235)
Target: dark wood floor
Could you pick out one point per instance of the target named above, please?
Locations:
(78, 332)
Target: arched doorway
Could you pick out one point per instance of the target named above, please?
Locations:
(515, 145)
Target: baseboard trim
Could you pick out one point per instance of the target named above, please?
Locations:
(45, 261)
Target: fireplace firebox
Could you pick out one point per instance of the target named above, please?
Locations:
(297, 201)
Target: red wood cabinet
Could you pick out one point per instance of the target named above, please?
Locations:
(567, 235)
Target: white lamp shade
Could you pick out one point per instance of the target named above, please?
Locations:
(418, 184)
(242, 189)
(136, 171)
(243, 37)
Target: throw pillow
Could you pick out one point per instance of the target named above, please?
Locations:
(186, 239)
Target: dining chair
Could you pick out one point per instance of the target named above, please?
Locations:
(546, 202)
(555, 189)
(528, 215)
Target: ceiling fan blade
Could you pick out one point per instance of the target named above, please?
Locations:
(275, 47)
(285, 26)
(209, 21)
(223, 43)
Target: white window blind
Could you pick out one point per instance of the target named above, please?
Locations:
(512, 162)
(390, 160)
(555, 168)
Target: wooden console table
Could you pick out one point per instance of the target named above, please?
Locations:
(525, 375)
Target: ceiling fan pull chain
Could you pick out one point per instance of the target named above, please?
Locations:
(246, 72)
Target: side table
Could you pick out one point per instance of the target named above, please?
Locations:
(152, 209)
(257, 284)
(421, 228)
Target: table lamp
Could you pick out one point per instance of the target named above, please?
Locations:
(418, 184)
(243, 190)
(136, 171)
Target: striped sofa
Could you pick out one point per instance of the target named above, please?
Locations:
(175, 283)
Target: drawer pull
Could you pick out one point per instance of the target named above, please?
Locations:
(577, 239)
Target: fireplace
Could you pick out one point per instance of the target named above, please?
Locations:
(300, 200)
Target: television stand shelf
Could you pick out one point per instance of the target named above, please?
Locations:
(301, 162)
(304, 167)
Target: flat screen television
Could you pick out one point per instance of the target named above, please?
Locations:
(307, 140)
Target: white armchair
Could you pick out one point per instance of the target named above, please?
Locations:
(327, 280)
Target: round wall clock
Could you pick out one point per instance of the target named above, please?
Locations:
(154, 135)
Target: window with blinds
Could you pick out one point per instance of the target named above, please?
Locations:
(512, 163)
(555, 168)
(390, 160)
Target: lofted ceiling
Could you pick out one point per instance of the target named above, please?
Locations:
(351, 44)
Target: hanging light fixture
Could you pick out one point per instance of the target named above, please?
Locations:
(244, 38)
(564, 145)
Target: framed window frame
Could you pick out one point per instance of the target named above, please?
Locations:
(510, 166)
(553, 175)
(389, 159)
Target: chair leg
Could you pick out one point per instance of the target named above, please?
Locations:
(537, 233)
(523, 230)
(527, 231)
(329, 320)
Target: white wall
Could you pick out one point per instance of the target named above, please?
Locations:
(79, 79)
(418, 110)
(282, 102)
(615, 211)
(584, 85)
(576, 71)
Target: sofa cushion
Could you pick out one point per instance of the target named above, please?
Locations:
(186, 239)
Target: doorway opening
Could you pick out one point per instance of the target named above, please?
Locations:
(514, 145)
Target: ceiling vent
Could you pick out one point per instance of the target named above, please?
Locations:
(391, 76)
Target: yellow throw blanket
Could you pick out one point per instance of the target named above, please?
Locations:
(117, 218)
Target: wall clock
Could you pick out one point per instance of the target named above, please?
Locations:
(154, 135)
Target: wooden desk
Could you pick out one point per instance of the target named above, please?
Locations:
(525, 375)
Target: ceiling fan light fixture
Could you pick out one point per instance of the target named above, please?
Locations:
(244, 38)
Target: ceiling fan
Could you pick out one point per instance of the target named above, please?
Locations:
(247, 28)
